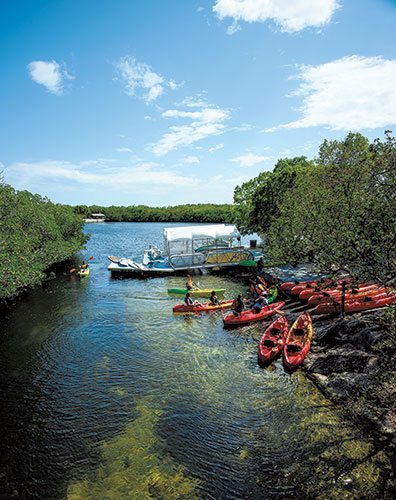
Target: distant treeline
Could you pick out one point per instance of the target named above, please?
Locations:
(35, 234)
(205, 212)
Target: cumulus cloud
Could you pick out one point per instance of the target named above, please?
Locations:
(290, 15)
(190, 160)
(95, 173)
(205, 122)
(351, 93)
(250, 159)
(50, 74)
(216, 148)
(139, 77)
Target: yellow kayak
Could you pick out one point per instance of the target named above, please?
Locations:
(83, 273)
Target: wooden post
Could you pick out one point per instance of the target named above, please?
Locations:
(343, 299)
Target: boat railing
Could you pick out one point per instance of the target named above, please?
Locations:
(187, 259)
(228, 256)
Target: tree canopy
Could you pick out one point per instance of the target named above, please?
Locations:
(35, 234)
(338, 211)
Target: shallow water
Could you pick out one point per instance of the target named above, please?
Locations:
(106, 394)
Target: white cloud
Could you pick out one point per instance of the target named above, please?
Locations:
(124, 150)
(291, 15)
(216, 148)
(197, 101)
(233, 28)
(137, 76)
(204, 123)
(250, 159)
(50, 74)
(104, 175)
(190, 160)
(351, 93)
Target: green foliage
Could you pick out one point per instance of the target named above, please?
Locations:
(257, 202)
(338, 212)
(35, 233)
(141, 213)
(341, 215)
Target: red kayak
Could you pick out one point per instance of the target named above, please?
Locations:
(337, 292)
(273, 340)
(249, 316)
(377, 293)
(288, 285)
(323, 286)
(310, 285)
(298, 341)
(206, 307)
(362, 304)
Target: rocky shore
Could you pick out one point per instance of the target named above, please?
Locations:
(353, 361)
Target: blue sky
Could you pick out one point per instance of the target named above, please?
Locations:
(167, 102)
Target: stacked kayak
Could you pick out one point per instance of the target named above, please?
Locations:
(196, 293)
(310, 285)
(206, 307)
(298, 342)
(250, 316)
(273, 340)
(336, 293)
(357, 305)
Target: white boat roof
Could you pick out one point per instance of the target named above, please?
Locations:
(213, 231)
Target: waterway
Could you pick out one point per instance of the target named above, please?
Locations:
(106, 394)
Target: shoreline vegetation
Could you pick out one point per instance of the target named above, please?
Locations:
(35, 235)
(189, 213)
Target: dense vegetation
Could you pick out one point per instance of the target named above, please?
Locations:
(338, 211)
(207, 212)
(35, 234)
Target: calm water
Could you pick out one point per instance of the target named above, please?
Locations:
(106, 394)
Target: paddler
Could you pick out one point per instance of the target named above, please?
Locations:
(190, 302)
(214, 299)
(238, 305)
(190, 285)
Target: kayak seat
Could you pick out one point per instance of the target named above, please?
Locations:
(297, 332)
(293, 348)
(276, 332)
(269, 343)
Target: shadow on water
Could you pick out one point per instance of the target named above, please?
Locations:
(107, 394)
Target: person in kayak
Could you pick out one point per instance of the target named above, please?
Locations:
(238, 305)
(260, 303)
(214, 299)
(190, 302)
(190, 285)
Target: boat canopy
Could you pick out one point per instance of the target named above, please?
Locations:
(187, 239)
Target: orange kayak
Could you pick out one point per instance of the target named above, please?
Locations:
(298, 342)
